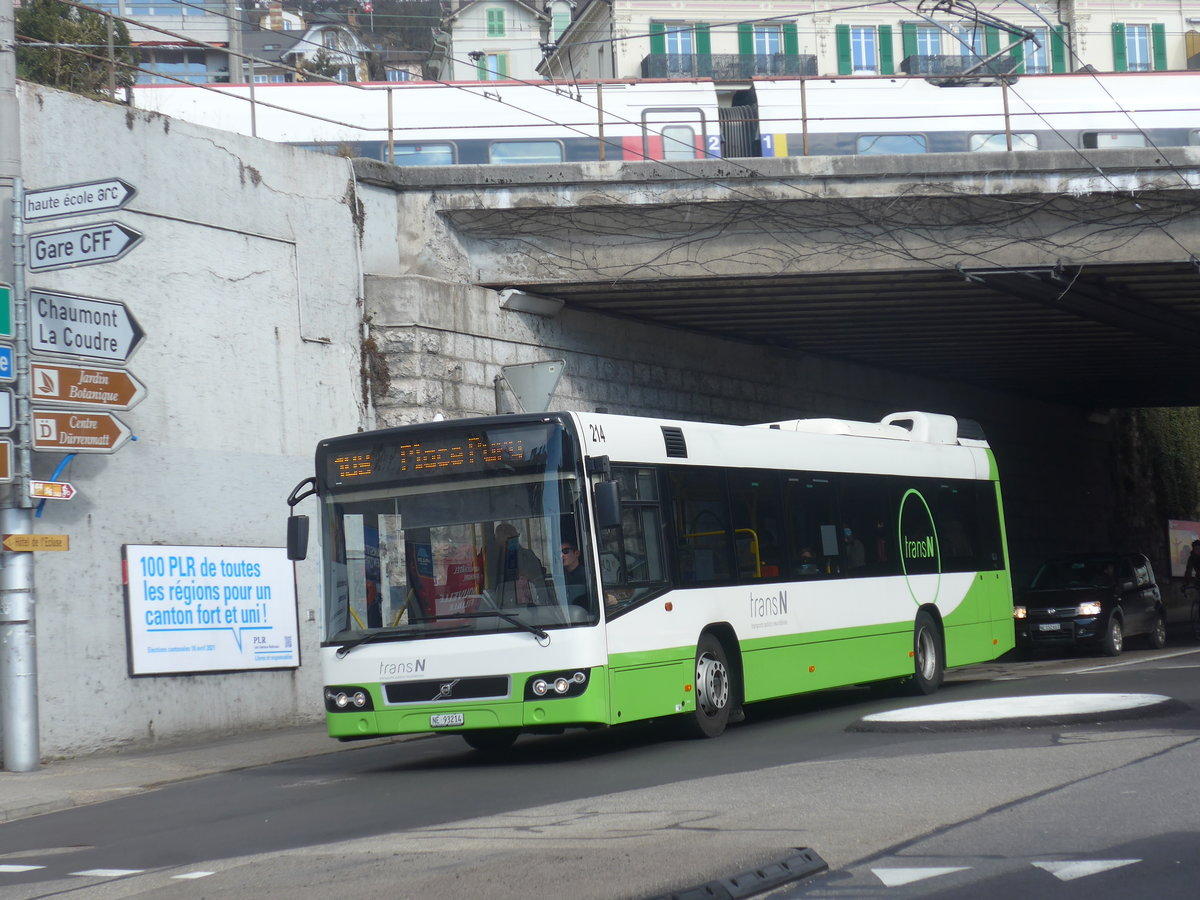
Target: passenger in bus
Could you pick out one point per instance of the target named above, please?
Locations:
(520, 577)
(856, 553)
(808, 563)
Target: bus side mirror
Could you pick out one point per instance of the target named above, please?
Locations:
(297, 537)
(607, 496)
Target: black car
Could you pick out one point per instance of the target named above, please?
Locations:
(1091, 599)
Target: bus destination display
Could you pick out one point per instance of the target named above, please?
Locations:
(442, 454)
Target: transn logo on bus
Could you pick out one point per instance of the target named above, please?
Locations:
(919, 549)
(405, 667)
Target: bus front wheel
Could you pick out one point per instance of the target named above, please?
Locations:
(714, 692)
(929, 657)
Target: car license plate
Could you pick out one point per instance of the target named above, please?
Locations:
(445, 720)
(1050, 626)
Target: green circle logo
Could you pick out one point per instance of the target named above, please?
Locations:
(920, 553)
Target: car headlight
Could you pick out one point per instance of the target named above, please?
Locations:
(1019, 612)
(1091, 608)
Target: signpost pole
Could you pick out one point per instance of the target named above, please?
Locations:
(18, 645)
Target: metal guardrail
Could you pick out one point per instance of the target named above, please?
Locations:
(727, 66)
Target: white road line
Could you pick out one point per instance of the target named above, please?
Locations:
(898, 877)
(10, 867)
(189, 875)
(1069, 871)
(108, 873)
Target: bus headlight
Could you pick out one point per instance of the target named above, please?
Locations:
(340, 698)
(557, 684)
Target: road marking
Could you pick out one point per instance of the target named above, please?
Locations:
(189, 875)
(1069, 871)
(108, 873)
(15, 868)
(898, 877)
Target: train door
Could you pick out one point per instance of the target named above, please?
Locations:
(677, 133)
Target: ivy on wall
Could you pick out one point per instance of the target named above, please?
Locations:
(1157, 475)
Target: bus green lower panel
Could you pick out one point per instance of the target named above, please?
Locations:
(651, 690)
(798, 668)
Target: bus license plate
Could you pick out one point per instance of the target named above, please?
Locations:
(446, 720)
(1050, 626)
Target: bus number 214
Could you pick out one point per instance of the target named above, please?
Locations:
(597, 433)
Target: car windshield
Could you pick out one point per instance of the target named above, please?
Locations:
(436, 554)
(1076, 573)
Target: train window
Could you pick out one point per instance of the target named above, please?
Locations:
(867, 144)
(423, 154)
(679, 142)
(1021, 140)
(525, 152)
(1103, 140)
(1193, 138)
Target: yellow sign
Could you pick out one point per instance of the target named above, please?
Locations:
(31, 542)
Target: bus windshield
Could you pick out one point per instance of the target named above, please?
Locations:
(455, 531)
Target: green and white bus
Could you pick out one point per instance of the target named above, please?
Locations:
(721, 565)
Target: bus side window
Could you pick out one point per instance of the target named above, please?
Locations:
(701, 518)
(757, 519)
(808, 513)
(632, 562)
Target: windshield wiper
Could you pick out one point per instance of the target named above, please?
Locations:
(349, 645)
(540, 634)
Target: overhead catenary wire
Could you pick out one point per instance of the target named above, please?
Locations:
(496, 96)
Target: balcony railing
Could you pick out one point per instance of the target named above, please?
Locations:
(727, 66)
(957, 65)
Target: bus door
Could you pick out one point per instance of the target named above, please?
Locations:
(677, 133)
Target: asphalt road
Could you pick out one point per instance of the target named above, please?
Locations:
(633, 813)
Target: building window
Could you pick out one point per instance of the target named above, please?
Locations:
(929, 40)
(492, 67)
(679, 41)
(864, 50)
(1037, 53)
(1137, 48)
(185, 65)
(495, 23)
(768, 40)
(971, 42)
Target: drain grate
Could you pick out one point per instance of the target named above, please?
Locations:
(800, 864)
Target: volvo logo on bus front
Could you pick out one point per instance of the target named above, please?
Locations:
(445, 691)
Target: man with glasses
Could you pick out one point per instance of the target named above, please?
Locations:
(572, 564)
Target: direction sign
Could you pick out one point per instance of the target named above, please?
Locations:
(83, 245)
(8, 363)
(6, 455)
(52, 490)
(78, 432)
(27, 543)
(6, 411)
(81, 326)
(77, 199)
(83, 386)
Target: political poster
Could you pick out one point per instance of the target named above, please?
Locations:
(209, 609)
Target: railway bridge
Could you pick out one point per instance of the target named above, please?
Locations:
(1054, 276)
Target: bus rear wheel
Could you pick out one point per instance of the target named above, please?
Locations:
(495, 740)
(714, 691)
(929, 657)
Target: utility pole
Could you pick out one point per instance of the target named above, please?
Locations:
(18, 643)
